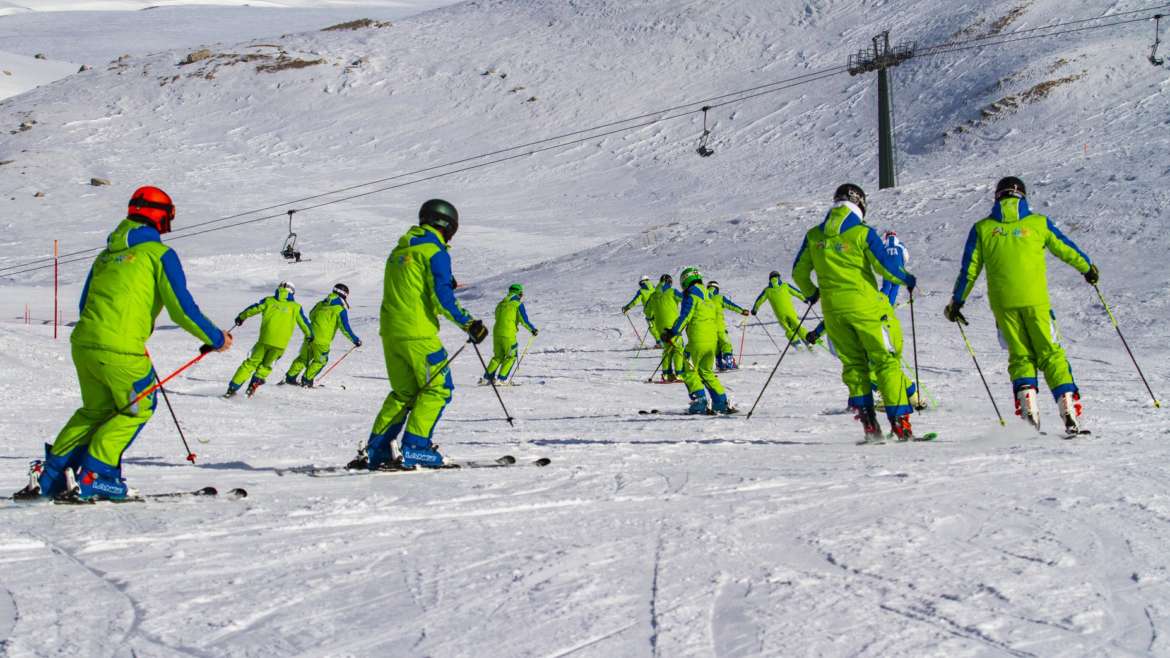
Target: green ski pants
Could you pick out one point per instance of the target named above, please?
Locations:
(108, 382)
(1033, 342)
(413, 402)
(311, 359)
(258, 365)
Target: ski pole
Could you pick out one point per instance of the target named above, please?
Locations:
(971, 351)
(914, 343)
(442, 366)
(628, 319)
(335, 364)
(777, 366)
(742, 336)
(522, 355)
(507, 415)
(1123, 342)
(167, 399)
(661, 361)
(774, 343)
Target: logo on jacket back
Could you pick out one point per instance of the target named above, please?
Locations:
(1016, 232)
(838, 246)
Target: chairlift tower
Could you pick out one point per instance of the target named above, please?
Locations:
(881, 58)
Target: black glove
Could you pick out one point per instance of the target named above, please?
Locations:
(668, 335)
(535, 332)
(206, 349)
(357, 343)
(814, 298)
(477, 332)
(753, 311)
(1093, 275)
(239, 321)
(911, 282)
(954, 312)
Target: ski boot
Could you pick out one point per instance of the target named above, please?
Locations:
(900, 426)
(1070, 412)
(32, 490)
(253, 385)
(51, 476)
(486, 380)
(698, 405)
(869, 423)
(1027, 405)
(380, 453)
(290, 380)
(721, 405)
(98, 481)
(306, 382)
(419, 451)
(231, 392)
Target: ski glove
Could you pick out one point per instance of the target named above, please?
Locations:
(1093, 275)
(754, 312)
(227, 343)
(954, 312)
(911, 282)
(745, 314)
(535, 332)
(476, 331)
(239, 321)
(357, 343)
(668, 335)
(813, 298)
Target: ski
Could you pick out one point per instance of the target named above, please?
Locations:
(343, 471)
(204, 492)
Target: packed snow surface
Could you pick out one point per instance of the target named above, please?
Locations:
(649, 534)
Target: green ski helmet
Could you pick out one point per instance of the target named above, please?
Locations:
(441, 215)
(515, 289)
(690, 275)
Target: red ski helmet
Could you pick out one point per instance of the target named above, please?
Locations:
(150, 205)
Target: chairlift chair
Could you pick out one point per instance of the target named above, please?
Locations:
(289, 250)
(1154, 59)
(704, 151)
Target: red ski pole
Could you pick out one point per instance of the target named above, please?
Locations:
(336, 363)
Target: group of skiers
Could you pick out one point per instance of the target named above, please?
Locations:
(847, 259)
(279, 315)
(137, 275)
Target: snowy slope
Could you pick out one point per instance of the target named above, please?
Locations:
(79, 32)
(648, 535)
(19, 73)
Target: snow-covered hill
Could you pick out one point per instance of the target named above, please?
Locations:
(648, 535)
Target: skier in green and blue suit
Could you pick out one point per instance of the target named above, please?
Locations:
(779, 296)
(130, 282)
(700, 316)
(725, 352)
(663, 308)
(327, 317)
(640, 298)
(279, 314)
(1011, 244)
(418, 286)
(845, 253)
(510, 314)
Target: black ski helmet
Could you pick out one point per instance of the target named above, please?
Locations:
(774, 275)
(342, 290)
(441, 215)
(853, 194)
(667, 279)
(1010, 186)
